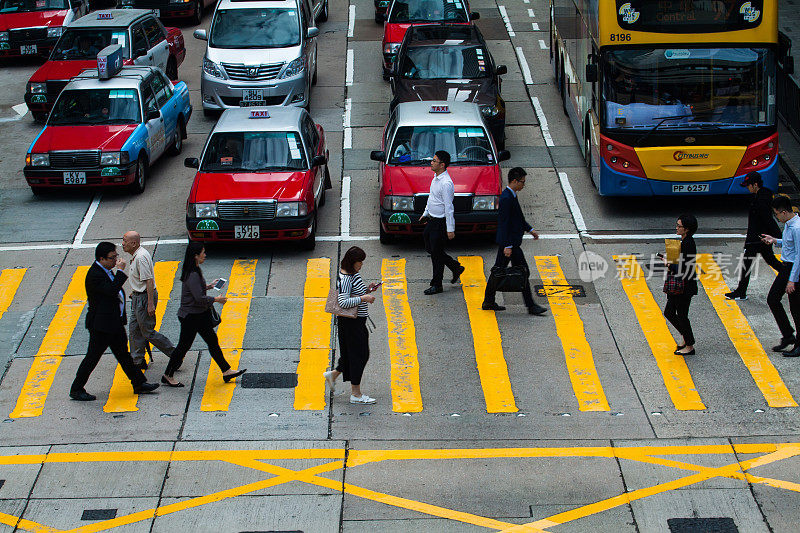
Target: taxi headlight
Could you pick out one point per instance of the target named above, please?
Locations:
(489, 110)
(391, 48)
(485, 203)
(37, 88)
(3, 36)
(294, 68)
(37, 160)
(114, 158)
(212, 69)
(205, 210)
(52, 33)
(291, 209)
(398, 203)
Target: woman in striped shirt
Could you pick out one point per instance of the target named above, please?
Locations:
(353, 334)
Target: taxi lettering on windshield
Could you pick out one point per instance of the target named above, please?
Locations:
(440, 109)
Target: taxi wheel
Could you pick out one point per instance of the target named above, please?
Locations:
(310, 242)
(323, 15)
(139, 181)
(172, 69)
(176, 148)
(197, 16)
(385, 238)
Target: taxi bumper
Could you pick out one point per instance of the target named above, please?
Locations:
(476, 222)
(278, 229)
(52, 178)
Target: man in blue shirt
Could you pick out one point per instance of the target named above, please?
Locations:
(788, 275)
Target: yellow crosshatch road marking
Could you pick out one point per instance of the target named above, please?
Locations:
(741, 334)
(315, 337)
(121, 398)
(569, 326)
(264, 461)
(406, 396)
(217, 395)
(10, 279)
(673, 368)
(486, 339)
(40, 377)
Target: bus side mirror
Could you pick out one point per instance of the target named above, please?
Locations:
(788, 64)
(591, 72)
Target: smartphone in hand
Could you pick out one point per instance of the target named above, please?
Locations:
(220, 283)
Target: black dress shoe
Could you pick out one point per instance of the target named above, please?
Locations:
(795, 352)
(735, 295)
(234, 375)
(785, 343)
(679, 347)
(144, 388)
(166, 382)
(433, 290)
(492, 307)
(678, 352)
(457, 274)
(82, 396)
(536, 309)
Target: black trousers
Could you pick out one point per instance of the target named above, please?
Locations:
(191, 325)
(353, 348)
(750, 253)
(776, 292)
(517, 258)
(99, 342)
(677, 312)
(435, 236)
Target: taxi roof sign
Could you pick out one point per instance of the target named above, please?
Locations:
(259, 113)
(109, 61)
(439, 109)
(105, 15)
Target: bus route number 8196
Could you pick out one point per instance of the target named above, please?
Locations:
(620, 37)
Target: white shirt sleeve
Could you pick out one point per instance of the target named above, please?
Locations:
(448, 194)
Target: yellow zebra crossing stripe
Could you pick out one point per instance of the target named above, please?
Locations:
(315, 337)
(741, 334)
(569, 326)
(10, 280)
(43, 369)
(486, 340)
(121, 398)
(217, 394)
(674, 371)
(406, 396)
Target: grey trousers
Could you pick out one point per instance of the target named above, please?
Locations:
(141, 328)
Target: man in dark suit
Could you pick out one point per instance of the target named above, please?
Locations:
(106, 321)
(511, 225)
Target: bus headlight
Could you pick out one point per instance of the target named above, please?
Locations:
(485, 203)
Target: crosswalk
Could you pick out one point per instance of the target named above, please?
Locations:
(405, 360)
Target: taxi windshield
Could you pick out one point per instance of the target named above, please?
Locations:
(255, 28)
(444, 62)
(24, 6)
(467, 145)
(84, 44)
(96, 106)
(428, 11)
(258, 151)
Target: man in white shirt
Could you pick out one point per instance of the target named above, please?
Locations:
(440, 223)
(144, 298)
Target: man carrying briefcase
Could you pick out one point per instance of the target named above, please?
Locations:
(511, 225)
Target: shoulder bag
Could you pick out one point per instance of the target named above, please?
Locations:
(332, 303)
(673, 285)
(215, 318)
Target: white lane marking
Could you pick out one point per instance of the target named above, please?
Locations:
(535, 26)
(351, 23)
(531, 14)
(87, 219)
(526, 1)
(543, 45)
(348, 132)
(20, 109)
(577, 217)
(537, 106)
(507, 21)
(345, 226)
(523, 64)
(349, 72)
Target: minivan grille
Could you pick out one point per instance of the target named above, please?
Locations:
(242, 210)
(252, 72)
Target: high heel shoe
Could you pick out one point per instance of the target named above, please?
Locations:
(166, 382)
(678, 352)
(235, 374)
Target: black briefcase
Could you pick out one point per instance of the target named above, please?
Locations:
(509, 279)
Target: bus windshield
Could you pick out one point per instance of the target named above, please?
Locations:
(698, 87)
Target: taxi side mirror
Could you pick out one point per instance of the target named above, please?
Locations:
(319, 160)
(503, 155)
(200, 34)
(474, 15)
(312, 32)
(501, 69)
(191, 162)
(378, 155)
(153, 114)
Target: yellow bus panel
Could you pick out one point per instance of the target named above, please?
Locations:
(696, 163)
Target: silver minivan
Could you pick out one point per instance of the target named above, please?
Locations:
(260, 52)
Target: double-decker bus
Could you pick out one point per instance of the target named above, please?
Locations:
(669, 96)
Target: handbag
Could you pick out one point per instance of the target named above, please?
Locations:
(215, 318)
(509, 279)
(673, 285)
(332, 304)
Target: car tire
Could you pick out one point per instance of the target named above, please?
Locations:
(386, 238)
(197, 16)
(140, 179)
(587, 143)
(322, 197)
(310, 242)
(177, 146)
(172, 69)
(323, 15)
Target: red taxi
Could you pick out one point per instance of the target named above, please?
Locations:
(32, 27)
(139, 32)
(262, 177)
(403, 14)
(415, 131)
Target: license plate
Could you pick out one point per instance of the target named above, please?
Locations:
(690, 187)
(27, 49)
(74, 178)
(246, 232)
(252, 95)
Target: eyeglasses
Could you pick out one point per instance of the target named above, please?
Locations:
(112, 257)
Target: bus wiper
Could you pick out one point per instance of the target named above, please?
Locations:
(644, 137)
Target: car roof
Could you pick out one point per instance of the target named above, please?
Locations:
(128, 78)
(281, 118)
(122, 18)
(429, 34)
(419, 114)
(251, 4)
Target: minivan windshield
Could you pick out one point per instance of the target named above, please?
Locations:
(416, 145)
(255, 28)
(96, 106)
(24, 6)
(256, 151)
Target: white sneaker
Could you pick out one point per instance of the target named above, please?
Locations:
(330, 380)
(363, 399)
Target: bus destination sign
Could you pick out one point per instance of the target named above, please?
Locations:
(689, 16)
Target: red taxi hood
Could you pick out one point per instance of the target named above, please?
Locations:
(405, 181)
(394, 32)
(10, 21)
(65, 70)
(210, 187)
(107, 138)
